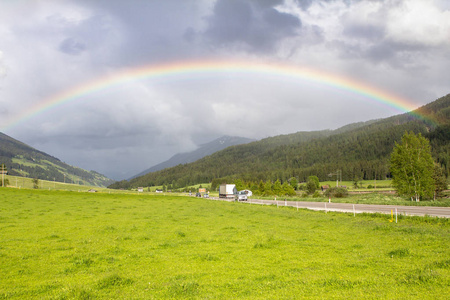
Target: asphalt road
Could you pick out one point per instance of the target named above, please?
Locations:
(442, 212)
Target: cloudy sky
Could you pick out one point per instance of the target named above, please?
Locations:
(400, 47)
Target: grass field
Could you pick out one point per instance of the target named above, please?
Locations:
(27, 183)
(70, 245)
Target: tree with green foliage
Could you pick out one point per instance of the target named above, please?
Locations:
(35, 183)
(294, 183)
(268, 188)
(440, 181)
(239, 185)
(311, 185)
(287, 189)
(315, 179)
(412, 167)
(276, 187)
(261, 188)
(4, 182)
(3, 170)
(357, 182)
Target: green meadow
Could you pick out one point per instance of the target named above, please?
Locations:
(78, 245)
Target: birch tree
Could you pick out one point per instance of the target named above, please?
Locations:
(412, 167)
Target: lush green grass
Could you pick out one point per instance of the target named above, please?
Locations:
(69, 245)
(27, 183)
(362, 185)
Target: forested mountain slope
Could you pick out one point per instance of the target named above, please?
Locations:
(359, 150)
(23, 160)
(202, 151)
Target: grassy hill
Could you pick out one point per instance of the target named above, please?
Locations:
(359, 150)
(23, 160)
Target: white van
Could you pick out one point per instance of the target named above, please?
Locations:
(241, 196)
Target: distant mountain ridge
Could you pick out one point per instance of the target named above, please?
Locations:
(23, 160)
(203, 150)
(359, 150)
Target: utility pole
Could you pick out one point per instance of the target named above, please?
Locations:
(338, 173)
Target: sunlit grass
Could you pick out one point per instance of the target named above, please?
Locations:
(69, 245)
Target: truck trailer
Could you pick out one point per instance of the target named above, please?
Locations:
(227, 191)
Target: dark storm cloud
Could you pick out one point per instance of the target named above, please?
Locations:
(151, 31)
(256, 26)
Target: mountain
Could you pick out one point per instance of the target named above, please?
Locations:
(359, 150)
(202, 151)
(23, 160)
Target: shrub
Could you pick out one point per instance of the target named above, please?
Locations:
(35, 183)
(311, 186)
(337, 192)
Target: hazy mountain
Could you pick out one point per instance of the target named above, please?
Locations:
(23, 160)
(202, 151)
(359, 150)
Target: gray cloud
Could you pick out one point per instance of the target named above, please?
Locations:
(72, 46)
(151, 31)
(242, 24)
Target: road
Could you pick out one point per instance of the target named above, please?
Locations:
(442, 212)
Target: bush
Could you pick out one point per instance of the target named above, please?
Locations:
(35, 183)
(316, 194)
(370, 186)
(336, 192)
(311, 186)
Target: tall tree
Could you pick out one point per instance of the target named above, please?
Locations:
(276, 187)
(314, 179)
(412, 167)
(440, 181)
(287, 189)
(3, 171)
(294, 183)
(311, 185)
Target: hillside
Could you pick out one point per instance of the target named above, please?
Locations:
(359, 150)
(203, 150)
(23, 160)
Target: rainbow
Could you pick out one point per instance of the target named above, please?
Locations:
(203, 67)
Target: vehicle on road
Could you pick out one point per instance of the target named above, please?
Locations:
(241, 196)
(227, 191)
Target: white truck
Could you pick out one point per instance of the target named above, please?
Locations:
(227, 191)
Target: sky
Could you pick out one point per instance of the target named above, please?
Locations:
(51, 47)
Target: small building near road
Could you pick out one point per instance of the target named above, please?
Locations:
(325, 187)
